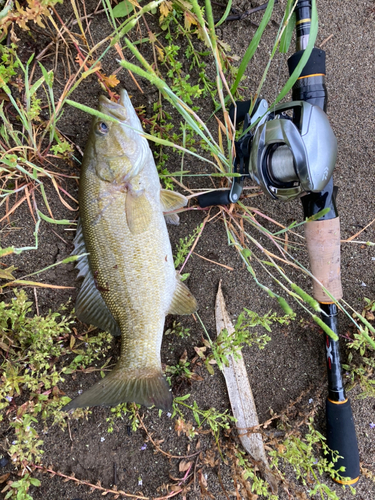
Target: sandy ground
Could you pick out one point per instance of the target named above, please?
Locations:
(293, 362)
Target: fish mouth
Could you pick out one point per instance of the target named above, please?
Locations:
(124, 98)
(116, 110)
(114, 158)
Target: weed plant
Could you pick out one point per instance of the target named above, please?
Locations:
(33, 349)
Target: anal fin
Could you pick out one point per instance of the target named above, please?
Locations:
(183, 301)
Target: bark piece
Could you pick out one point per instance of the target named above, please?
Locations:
(241, 397)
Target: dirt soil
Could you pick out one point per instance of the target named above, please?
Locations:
(293, 363)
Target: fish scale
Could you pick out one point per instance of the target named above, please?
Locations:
(130, 281)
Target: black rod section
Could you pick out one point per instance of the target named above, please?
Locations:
(303, 23)
(335, 384)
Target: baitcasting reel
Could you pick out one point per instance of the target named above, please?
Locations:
(291, 152)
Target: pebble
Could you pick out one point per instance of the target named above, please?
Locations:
(4, 461)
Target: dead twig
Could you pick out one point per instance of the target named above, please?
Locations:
(158, 447)
(326, 40)
(213, 262)
(98, 486)
(36, 302)
(196, 241)
(241, 15)
(357, 234)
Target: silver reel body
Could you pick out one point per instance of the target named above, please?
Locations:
(292, 156)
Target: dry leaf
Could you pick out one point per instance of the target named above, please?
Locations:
(111, 80)
(160, 53)
(200, 351)
(209, 458)
(370, 316)
(189, 20)
(184, 356)
(202, 479)
(281, 449)
(165, 8)
(184, 465)
(4, 347)
(6, 274)
(175, 487)
(4, 477)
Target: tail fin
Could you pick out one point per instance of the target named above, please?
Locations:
(147, 389)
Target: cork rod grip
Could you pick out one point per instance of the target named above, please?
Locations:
(323, 244)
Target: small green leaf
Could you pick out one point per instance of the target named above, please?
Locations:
(246, 253)
(6, 274)
(182, 398)
(317, 216)
(123, 9)
(253, 45)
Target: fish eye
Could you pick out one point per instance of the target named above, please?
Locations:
(103, 128)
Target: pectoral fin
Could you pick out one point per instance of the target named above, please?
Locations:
(171, 200)
(138, 212)
(183, 301)
(172, 219)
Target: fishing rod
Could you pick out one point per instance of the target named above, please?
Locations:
(292, 153)
(323, 243)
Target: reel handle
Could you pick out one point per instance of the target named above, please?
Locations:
(217, 197)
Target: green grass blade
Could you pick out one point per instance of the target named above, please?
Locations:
(53, 221)
(295, 75)
(286, 37)
(225, 15)
(253, 45)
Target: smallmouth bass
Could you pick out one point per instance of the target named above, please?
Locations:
(130, 283)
